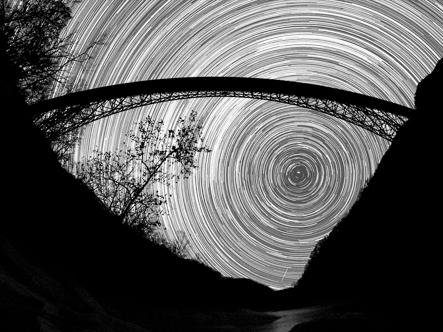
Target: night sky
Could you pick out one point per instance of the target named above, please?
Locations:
(279, 177)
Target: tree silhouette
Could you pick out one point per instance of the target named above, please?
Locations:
(126, 180)
(41, 56)
(39, 53)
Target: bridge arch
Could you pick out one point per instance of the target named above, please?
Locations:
(66, 113)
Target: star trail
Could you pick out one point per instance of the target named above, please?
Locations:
(279, 177)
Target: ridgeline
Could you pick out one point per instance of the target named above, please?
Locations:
(385, 254)
(67, 264)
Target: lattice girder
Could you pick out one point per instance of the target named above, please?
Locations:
(64, 114)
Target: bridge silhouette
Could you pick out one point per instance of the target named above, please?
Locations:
(63, 114)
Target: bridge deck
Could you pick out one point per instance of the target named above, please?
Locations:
(220, 84)
(61, 115)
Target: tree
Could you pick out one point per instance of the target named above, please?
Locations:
(126, 181)
(41, 56)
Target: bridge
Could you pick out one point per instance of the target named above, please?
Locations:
(63, 114)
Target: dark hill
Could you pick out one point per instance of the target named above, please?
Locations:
(386, 253)
(66, 264)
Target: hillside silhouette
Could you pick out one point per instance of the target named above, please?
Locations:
(67, 264)
(385, 254)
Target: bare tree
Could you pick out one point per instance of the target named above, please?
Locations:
(32, 30)
(126, 180)
(41, 55)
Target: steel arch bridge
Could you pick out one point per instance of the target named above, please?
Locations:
(63, 114)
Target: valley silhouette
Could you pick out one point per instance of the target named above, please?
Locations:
(68, 264)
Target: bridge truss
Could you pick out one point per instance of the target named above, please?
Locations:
(64, 114)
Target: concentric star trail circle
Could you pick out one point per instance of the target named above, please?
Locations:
(278, 177)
